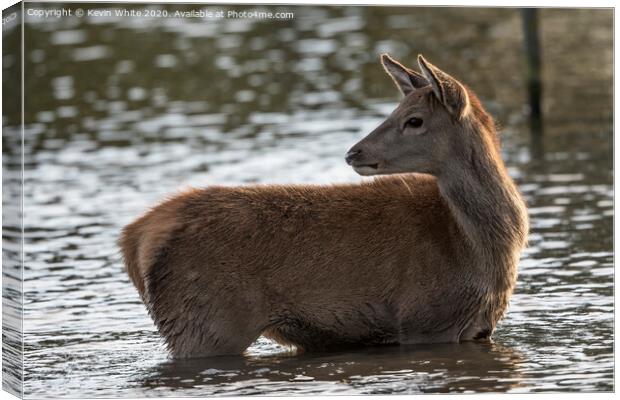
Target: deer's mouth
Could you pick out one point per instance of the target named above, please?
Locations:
(366, 169)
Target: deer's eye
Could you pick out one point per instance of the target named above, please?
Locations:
(415, 122)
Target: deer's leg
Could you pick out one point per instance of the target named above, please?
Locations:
(200, 313)
(218, 333)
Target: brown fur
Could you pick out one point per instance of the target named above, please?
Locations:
(409, 258)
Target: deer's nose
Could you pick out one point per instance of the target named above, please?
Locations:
(352, 155)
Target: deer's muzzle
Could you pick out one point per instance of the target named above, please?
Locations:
(352, 155)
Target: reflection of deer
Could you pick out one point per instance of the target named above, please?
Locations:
(402, 259)
(437, 368)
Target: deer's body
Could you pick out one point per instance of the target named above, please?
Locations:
(409, 258)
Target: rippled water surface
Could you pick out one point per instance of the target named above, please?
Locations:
(121, 112)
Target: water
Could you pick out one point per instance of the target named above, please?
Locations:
(124, 111)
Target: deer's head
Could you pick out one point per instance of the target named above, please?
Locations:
(426, 129)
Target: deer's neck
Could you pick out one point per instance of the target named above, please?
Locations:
(487, 207)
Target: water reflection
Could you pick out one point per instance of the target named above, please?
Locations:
(392, 369)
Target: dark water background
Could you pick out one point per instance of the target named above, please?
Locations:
(123, 111)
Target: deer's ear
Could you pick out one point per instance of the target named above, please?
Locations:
(405, 79)
(448, 90)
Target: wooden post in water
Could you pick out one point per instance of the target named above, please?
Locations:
(533, 73)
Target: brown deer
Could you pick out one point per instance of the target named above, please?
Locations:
(426, 256)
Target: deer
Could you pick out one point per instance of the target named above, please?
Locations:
(426, 251)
